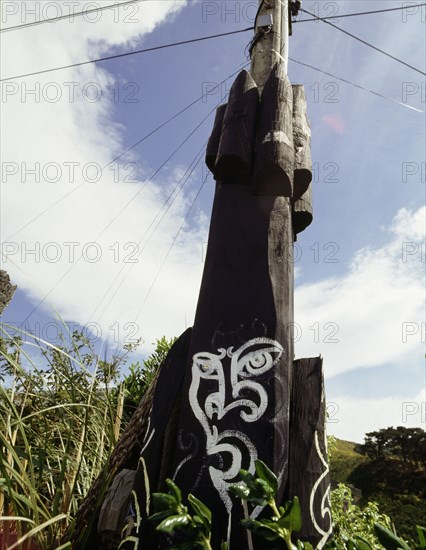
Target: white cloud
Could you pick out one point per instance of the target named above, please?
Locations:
(368, 305)
(351, 419)
(373, 314)
(47, 130)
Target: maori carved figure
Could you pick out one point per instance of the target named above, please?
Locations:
(248, 399)
(236, 379)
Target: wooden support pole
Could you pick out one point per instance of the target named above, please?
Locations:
(271, 45)
(309, 478)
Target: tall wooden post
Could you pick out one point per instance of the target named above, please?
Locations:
(239, 400)
(235, 405)
(273, 46)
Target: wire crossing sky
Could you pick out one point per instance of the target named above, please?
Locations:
(106, 200)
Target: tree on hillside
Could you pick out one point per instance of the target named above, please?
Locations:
(406, 443)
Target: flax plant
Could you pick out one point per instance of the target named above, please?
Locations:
(61, 410)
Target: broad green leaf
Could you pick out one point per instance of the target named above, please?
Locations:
(201, 510)
(292, 519)
(248, 479)
(240, 490)
(388, 539)
(176, 492)
(421, 533)
(264, 489)
(304, 545)
(173, 523)
(159, 516)
(164, 501)
(265, 529)
(266, 474)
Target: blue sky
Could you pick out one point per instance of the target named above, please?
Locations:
(360, 265)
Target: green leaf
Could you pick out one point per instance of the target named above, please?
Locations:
(267, 475)
(421, 533)
(265, 529)
(304, 545)
(176, 492)
(362, 543)
(164, 501)
(264, 489)
(173, 523)
(159, 516)
(388, 539)
(248, 479)
(240, 490)
(292, 519)
(202, 511)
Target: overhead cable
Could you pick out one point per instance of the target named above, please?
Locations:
(356, 85)
(69, 15)
(364, 42)
(341, 16)
(109, 57)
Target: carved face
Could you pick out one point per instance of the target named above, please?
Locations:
(227, 393)
(229, 383)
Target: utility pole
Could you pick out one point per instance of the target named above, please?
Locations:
(273, 27)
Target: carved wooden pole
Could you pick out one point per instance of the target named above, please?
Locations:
(236, 393)
(238, 386)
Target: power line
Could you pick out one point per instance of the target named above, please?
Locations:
(121, 154)
(356, 85)
(70, 15)
(129, 2)
(171, 246)
(364, 42)
(193, 40)
(145, 50)
(120, 212)
(170, 199)
(156, 172)
(356, 13)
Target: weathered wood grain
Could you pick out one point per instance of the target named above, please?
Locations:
(214, 140)
(244, 314)
(302, 143)
(303, 212)
(155, 408)
(236, 148)
(309, 478)
(274, 161)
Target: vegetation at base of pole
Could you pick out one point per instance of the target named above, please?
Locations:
(374, 529)
(62, 411)
(172, 517)
(260, 489)
(63, 408)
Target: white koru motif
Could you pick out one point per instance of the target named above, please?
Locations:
(325, 501)
(247, 362)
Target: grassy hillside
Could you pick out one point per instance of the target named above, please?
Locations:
(344, 460)
(398, 487)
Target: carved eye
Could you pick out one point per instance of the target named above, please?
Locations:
(208, 364)
(256, 357)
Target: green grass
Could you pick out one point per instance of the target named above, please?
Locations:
(344, 459)
(398, 487)
(58, 425)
